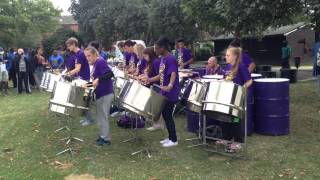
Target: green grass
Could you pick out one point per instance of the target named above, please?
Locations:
(28, 145)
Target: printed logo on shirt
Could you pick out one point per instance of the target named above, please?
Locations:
(161, 72)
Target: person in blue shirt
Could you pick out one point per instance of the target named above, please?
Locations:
(56, 60)
(316, 56)
(11, 55)
(102, 53)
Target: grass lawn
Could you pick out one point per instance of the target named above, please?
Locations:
(28, 145)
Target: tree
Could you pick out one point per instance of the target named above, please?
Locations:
(24, 23)
(111, 20)
(240, 16)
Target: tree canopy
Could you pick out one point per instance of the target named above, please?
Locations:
(23, 23)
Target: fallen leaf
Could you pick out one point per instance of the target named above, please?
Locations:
(62, 166)
(83, 177)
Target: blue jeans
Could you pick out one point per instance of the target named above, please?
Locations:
(38, 73)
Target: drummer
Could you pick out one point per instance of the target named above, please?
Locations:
(142, 62)
(238, 73)
(131, 58)
(184, 55)
(151, 70)
(245, 57)
(101, 75)
(77, 65)
(213, 67)
(169, 85)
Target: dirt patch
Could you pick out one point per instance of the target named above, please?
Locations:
(83, 177)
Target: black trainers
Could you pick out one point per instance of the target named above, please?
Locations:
(102, 142)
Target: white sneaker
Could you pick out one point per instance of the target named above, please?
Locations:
(87, 123)
(170, 144)
(83, 120)
(154, 127)
(164, 141)
(115, 114)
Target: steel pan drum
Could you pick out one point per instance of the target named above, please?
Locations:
(48, 80)
(65, 94)
(224, 101)
(271, 106)
(197, 93)
(142, 100)
(209, 78)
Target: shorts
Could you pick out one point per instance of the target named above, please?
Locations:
(4, 76)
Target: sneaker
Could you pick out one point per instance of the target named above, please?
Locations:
(170, 144)
(82, 121)
(87, 123)
(115, 114)
(154, 127)
(103, 142)
(164, 141)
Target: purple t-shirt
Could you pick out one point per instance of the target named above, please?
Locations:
(131, 58)
(84, 72)
(104, 87)
(210, 71)
(70, 63)
(241, 77)
(187, 55)
(142, 64)
(168, 65)
(246, 59)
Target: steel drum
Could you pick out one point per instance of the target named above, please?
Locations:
(48, 80)
(209, 78)
(224, 101)
(66, 94)
(196, 95)
(272, 113)
(142, 100)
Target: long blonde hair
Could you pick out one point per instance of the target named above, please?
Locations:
(138, 49)
(237, 51)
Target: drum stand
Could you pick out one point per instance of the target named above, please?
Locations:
(243, 145)
(199, 134)
(68, 125)
(135, 138)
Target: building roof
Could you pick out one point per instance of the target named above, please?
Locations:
(67, 20)
(283, 30)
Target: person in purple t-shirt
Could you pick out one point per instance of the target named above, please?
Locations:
(213, 67)
(245, 57)
(131, 58)
(151, 70)
(169, 85)
(184, 55)
(79, 61)
(102, 82)
(238, 73)
(142, 63)
(81, 67)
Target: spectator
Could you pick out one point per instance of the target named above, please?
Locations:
(56, 60)
(285, 55)
(316, 58)
(12, 73)
(4, 68)
(21, 65)
(40, 63)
